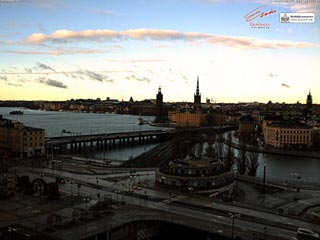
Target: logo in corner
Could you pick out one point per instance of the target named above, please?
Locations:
(284, 18)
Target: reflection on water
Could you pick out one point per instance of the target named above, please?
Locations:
(124, 154)
(88, 123)
(77, 123)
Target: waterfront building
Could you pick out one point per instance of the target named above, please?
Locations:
(246, 125)
(187, 119)
(21, 140)
(190, 117)
(200, 175)
(288, 135)
(159, 102)
(268, 119)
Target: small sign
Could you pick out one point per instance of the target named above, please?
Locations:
(297, 17)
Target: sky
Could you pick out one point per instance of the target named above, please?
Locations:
(239, 49)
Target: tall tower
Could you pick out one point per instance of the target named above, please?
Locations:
(309, 100)
(308, 105)
(159, 102)
(197, 98)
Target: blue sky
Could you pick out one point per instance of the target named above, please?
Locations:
(57, 50)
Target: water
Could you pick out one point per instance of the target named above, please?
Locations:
(77, 123)
(279, 167)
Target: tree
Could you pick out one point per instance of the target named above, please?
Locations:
(200, 150)
(242, 157)
(219, 145)
(229, 152)
(253, 159)
(210, 150)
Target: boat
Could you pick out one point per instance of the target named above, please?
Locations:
(140, 121)
(16, 113)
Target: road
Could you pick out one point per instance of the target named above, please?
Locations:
(249, 221)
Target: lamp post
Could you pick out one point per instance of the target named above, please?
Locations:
(296, 175)
(79, 186)
(117, 192)
(233, 216)
(36, 212)
(98, 187)
(40, 189)
(71, 184)
(86, 199)
(264, 179)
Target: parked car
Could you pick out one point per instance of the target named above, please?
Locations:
(304, 233)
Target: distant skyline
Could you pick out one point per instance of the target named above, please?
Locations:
(58, 50)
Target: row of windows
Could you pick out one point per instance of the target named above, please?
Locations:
(294, 137)
(295, 131)
(33, 145)
(31, 138)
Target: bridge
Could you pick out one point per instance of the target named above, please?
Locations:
(79, 143)
(76, 144)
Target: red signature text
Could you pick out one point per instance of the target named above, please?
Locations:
(257, 13)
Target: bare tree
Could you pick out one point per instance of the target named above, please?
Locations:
(242, 157)
(210, 150)
(219, 145)
(252, 160)
(199, 150)
(229, 160)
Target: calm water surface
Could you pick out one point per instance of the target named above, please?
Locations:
(279, 167)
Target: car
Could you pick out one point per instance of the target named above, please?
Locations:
(304, 233)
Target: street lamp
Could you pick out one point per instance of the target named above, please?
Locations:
(86, 199)
(264, 179)
(233, 216)
(79, 186)
(71, 184)
(40, 189)
(35, 212)
(296, 175)
(132, 178)
(98, 188)
(117, 192)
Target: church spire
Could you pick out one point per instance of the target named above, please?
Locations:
(197, 91)
(197, 98)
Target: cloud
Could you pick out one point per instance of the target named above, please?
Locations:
(272, 75)
(256, 43)
(28, 70)
(146, 60)
(58, 52)
(3, 78)
(15, 85)
(158, 34)
(285, 85)
(46, 4)
(134, 78)
(41, 66)
(51, 82)
(101, 11)
(83, 74)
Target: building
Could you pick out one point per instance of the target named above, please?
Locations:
(21, 140)
(197, 98)
(159, 102)
(268, 119)
(202, 175)
(288, 135)
(246, 125)
(308, 110)
(190, 117)
(187, 119)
